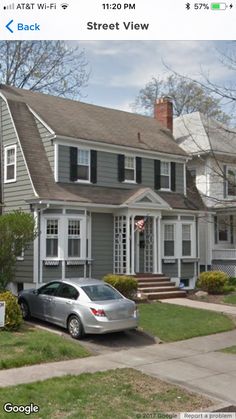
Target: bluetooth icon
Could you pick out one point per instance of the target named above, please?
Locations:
(187, 5)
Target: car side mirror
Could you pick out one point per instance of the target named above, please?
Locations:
(36, 292)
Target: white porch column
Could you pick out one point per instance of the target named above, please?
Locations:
(155, 269)
(159, 246)
(128, 245)
(132, 246)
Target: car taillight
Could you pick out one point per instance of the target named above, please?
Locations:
(98, 313)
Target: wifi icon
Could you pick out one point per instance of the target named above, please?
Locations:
(64, 6)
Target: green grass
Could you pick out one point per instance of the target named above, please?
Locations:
(230, 299)
(31, 346)
(229, 350)
(171, 322)
(120, 394)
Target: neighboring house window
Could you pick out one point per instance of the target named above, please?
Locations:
(169, 240)
(231, 180)
(83, 165)
(52, 238)
(74, 238)
(223, 229)
(10, 164)
(186, 240)
(165, 175)
(130, 169)
(193, 174)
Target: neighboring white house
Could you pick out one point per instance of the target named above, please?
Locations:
(212, 147)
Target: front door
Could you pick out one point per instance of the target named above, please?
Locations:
(144, 248)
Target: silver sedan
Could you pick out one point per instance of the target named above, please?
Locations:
(81, 306)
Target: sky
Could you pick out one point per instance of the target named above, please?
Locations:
(119, 69)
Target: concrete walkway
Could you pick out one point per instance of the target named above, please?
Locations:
(221, 308)
(192, 363)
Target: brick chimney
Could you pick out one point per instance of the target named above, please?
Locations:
(163, 112)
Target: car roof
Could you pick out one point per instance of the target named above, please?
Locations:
(83, 281)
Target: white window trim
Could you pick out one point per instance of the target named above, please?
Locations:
(6, 149)
(191, 240)
(127, 180)
(163, 241)
(63, 237)
(89, 165)
(169, 176)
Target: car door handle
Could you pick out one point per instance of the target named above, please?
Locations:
(69, 302)
(48, 299)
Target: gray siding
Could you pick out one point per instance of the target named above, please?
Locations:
(24, 268)
(74, 271)
(102, 244)
(46, 140)
(14, 194)
(52, 272)
(187, 270)
(107, 171)
(170, 269)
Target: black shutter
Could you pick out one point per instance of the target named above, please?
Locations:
(215, 230)
(73, 164)
(225, 180)
(93, 166)
(231, 229)
(157, 174)
(138, 170)
(173, 176)
(121, 167)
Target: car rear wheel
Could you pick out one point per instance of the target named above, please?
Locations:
(25, 309)
(75, 327)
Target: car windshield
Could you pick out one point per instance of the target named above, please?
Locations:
(101, 292)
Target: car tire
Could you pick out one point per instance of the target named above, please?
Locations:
(24, 309)
(75, 327)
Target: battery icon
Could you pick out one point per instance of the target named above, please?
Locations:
(218, 6)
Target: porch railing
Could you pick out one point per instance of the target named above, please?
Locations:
(224, 254)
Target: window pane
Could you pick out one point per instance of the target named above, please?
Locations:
(165, 168)
(186, 248)
(186, 232)
(49, 289)
(169, 248)
(129, 162)
(169, 232)
(51, 247)
(129, 174)
(52, 227)
(74, 247)
(231, 182)
(101, 293)
(10, 172)
(83, 157)
(74, 227)
(11, 156)
(83, 172)
(67, 291)
(165, 182)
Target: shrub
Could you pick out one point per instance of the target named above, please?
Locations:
(13, 316)
(127, 285)
(232, 281)
(228, 288)
(212, 282)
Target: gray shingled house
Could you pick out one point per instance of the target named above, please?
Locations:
(89, 174)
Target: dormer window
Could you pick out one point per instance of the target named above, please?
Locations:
(10, 164)
(83, 165)
(130, 169)
(165, 175)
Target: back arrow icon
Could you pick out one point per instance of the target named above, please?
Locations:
(8, 26)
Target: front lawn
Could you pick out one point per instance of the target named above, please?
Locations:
(171, 322)
(121, 394)
(31, 346)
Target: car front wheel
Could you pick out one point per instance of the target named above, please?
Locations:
(25, 309)
(75, 327)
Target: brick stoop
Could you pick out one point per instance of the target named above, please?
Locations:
(158, 287)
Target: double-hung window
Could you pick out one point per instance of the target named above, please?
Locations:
(231, 181)
(83, 165)
(223, 229)
(186, 240)
(10, 164)
(169, 240)
(130, 169)
(52, 238)
(74, 247)
(165, 175)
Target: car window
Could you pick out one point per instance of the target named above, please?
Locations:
(101, 292)
(49, 289)
(68, 291)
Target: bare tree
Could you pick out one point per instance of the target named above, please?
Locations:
(187, 97)
(52, 67)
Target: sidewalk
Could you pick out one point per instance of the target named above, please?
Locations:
(220, 308)
(192, 363)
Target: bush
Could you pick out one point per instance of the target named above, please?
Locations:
(232, 281)
(213, 282)
(228, 288)
(13, 316)
(127, 285)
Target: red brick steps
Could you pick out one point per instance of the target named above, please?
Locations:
(158, 287)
